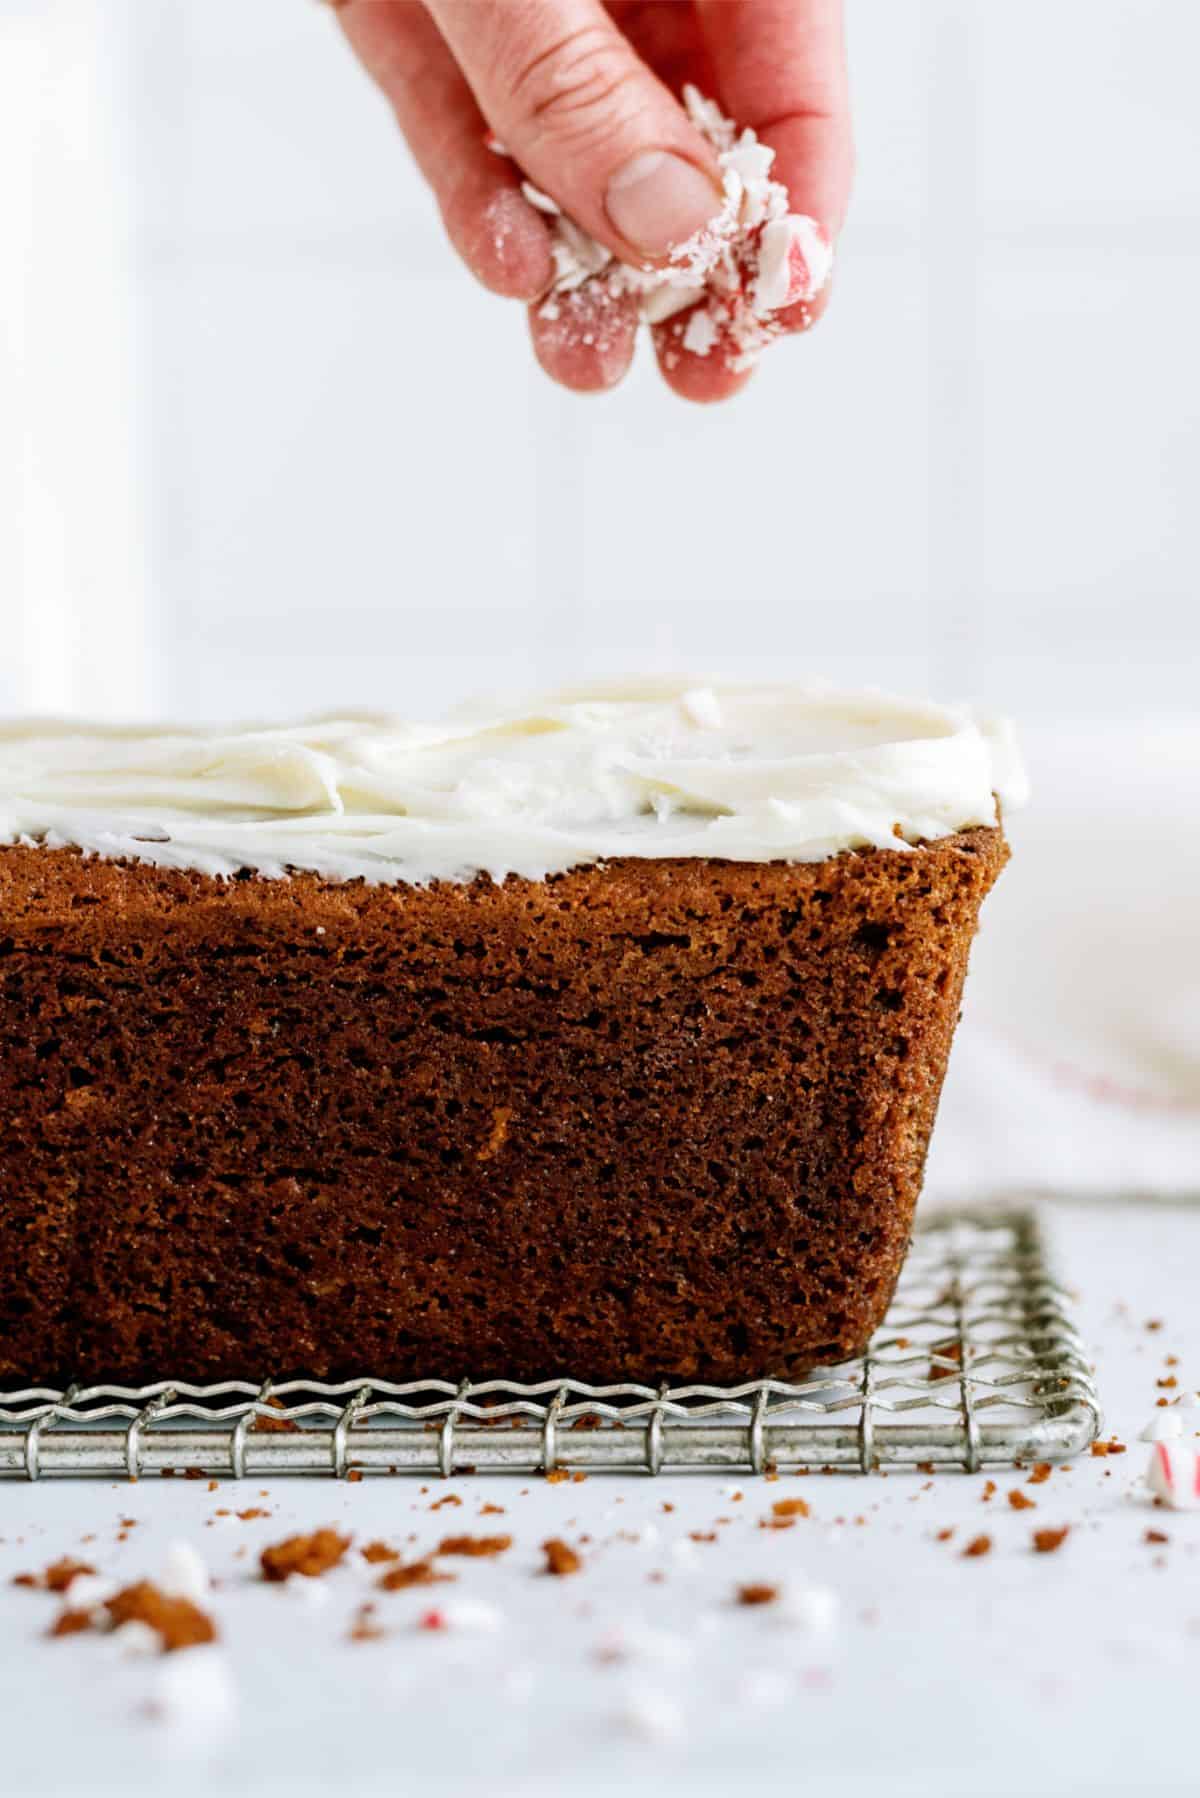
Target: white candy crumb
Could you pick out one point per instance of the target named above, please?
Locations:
(88, 1591)
(1173, 1475)
(136, 1641)
(1164, 1426)
(184, 1574)
(810, 1608)
(700, 333)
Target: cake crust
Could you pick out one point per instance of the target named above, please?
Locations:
(651, 1120)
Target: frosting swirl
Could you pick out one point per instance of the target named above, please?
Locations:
(651, 769)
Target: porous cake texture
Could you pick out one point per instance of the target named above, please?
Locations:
(646, 1119)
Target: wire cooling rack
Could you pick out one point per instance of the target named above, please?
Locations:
(978, 1361)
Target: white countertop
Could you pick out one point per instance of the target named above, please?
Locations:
(1012, 1672)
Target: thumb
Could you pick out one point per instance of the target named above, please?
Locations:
(586, 119)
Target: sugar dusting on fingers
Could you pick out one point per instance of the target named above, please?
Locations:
(585, 337)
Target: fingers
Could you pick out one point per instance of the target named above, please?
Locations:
(703, 379)
(781, 69)
(499, 235)
(567, 94)
(585, 339)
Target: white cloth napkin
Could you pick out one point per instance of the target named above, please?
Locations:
(1077, 1064)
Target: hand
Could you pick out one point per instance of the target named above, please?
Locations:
(583, 96)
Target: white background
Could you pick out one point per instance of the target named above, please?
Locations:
(267, 447)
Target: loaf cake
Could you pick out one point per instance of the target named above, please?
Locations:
(600, 1038)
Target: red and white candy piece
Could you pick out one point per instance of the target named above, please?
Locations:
(1173, 1475)
(794, 260)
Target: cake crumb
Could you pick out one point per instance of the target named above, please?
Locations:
(416, 1573)
(374, 1552)
(490, 1510)
(178, 1622)
(978, 1545)
(251, 1512)
(757, 1593)
(989, 1491)
(1045, 1542)
(1039, 1473)
(56, 1577)
(69, 1623)
(474, 1545)
(556, 1475)
(945, 1535)
(561, 1558)
(1020, 1501)
(309, 1556)
(1156, 1536)
(448, 1498)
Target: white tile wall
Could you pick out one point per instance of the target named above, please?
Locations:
(978, 475)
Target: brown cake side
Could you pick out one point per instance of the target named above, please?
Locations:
(656, 1119)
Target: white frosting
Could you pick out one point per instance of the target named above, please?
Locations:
(749, 262)
(665, 769)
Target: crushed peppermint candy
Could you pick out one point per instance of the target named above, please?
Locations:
(1173, 1476)
(748, 263)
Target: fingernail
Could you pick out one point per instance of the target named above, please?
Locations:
(657, 200)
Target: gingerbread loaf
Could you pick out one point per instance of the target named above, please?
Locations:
(288, 1086)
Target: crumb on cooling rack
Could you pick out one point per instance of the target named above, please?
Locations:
(414, 1573)
(757, 1592)
(1020, 1501)
(946, 1351)
(561, 1558)
(264, 1425)
(476, 1546)
(978, 1545)
(309, 1556)
(1046, 1542)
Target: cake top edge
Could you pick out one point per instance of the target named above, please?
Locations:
(651, 768)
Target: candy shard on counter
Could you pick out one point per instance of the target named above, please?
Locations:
(1173, 1475)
